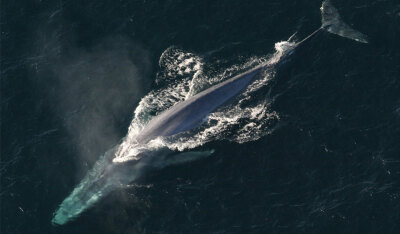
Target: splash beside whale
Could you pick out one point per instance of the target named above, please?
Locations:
(110, 173)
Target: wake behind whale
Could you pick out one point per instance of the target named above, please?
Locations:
(190, 110)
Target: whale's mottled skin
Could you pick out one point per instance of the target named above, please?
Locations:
(189, 113)
(107, 176)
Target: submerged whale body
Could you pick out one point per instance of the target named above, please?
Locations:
(107, 175)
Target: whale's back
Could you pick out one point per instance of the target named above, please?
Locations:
(190, 113)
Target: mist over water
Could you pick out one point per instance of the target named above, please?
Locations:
(93, 87)
(309, 147)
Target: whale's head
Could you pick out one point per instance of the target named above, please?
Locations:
(104, 177)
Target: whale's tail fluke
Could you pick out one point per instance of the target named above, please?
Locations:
(332, 23)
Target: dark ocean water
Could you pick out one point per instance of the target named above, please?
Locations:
(73, 72)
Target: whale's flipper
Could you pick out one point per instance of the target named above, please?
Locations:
(332, 23)
(185, 157)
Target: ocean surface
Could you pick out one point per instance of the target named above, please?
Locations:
(313, 146)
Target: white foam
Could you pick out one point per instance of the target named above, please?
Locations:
(182, 76)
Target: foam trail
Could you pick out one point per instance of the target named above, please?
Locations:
(252, 121)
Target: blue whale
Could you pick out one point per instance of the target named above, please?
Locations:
(107, 175)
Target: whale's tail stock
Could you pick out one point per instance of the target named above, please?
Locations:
(332, 22)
